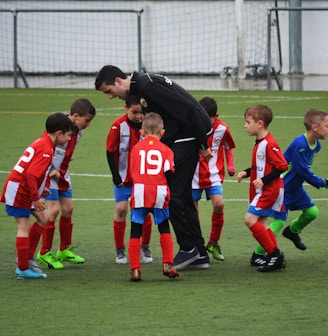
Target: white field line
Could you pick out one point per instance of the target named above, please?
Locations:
(112, 199)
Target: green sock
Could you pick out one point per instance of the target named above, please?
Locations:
(304, 219)
(275, 227)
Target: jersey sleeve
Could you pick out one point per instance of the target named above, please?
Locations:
(113, 138)
(299, 161)
(276, 156)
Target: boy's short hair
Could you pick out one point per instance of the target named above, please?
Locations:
(107, 74)
(314, 117)
(209, 105)
(152, 123)
(260, 112)
(82, 107)
(58, 122)
(131, 100)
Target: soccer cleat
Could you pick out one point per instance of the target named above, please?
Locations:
(214, 248)
(70, 256)
(49, 260)
(146, 257)
(33, 264)
(170, 271)
(203, 262)
(121, 257)
(295, 238)
(274, 261)
(29, 274)
(135, 275)
(184, 258)
(257, 259)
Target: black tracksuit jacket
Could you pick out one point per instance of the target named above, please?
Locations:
(184, 118)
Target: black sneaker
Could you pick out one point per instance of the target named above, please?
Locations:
(184, 258)
(274, 261)
(203, 262)
(295, 238)
(257, 259)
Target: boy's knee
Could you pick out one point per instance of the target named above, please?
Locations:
(311, 213)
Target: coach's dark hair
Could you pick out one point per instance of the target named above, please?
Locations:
(58, 122)
(209, 105)
(82, 107)
(107, 75)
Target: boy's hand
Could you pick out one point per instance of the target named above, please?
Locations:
(46, 192)
(39, 205)
(54, 174)
(206, 153)
(241, 175)
(258, 183)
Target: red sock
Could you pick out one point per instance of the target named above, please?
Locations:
(166, 242)
(134, 253)
(217, 225)
(34, 237)
(22, 249)
(260, 233)
(146, 230)
(273, 237)
(119, 232)
(47, 237)
(65, 232)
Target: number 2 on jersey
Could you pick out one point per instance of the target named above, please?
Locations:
(24, 158)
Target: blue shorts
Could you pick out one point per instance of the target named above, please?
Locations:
(260, 212)
(215, 190)
(138, 215)
(122, 193)
(280, 215)
(55, 194)
(18, 212)
(298, 201)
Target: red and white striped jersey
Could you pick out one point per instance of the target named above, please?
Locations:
(121, 138)
(28, 178)
(60, 162)
(266, 156)
(211, 172)
(150, 159)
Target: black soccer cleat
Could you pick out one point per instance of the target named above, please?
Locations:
(257, 259)
(295, 238)
(274, 261)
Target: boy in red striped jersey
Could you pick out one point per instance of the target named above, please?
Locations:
(151, 170)
(123, 135)
(25, 186)
(209, 176)
(266, 188)
(81, 114)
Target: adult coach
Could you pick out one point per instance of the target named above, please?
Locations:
(187, 127)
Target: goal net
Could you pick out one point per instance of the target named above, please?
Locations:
(64, 43)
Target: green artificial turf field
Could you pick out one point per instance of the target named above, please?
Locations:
(229, 299)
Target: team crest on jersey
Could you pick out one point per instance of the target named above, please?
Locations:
(143, 102)
(260, 156)
(217, 139)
